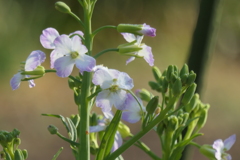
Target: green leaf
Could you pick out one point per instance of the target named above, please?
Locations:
(73, 130)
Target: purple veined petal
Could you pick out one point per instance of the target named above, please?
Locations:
(77, 46)
(104, 101)
(146, 52)
(108, 115)
(97, 128)
(85, 63)
(31, 83)
(139, 40)
(130, 60)
(117, 141)
(131, 117)
(47, 38)
(34, 59)
(118, 98)
(16, 81)
(53, 57)
(63, 45)
(228, 143)
(125, 81)
(148, 31)
(64, 66)
(218, 145)
(129, 37)
(103, 78)
(77, 32)
(114, 73)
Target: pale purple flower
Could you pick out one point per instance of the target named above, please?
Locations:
(114, 86)
(133, 112)
(71, 51)
(145, 52)
(47, 40)
(102, 125)
(147, 30)
(221, 147)
(33, 61)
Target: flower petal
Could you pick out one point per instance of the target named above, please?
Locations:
(148, 31)
(63, 45)
(34, 59)
(16, 80)
(77, 32)
(125, 81)
(228, 143)
(97, 128)
(103, 78)
(130, 60)
(103, 101)
(47, 38)
(117, 141)
(85, 63)
(77, 45)
(64, 66)
(129, 37)
(146, 52)
(118, 98)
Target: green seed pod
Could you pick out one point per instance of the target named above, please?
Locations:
(157, 74)
(62, 7)
(18, 155)
(177, 87)
(25, 153)
(52, 129)
(189, 94)
(124, 130)
(152, 105)
(191, 78)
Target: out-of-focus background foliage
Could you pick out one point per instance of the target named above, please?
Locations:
(22, 21)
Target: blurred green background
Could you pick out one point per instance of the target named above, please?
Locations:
(22, 21)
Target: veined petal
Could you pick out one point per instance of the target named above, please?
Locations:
(63, 45)
(103, 78)
(77, 32)
(31, 83)
(129, 37)
(16, 80)
(78, 46)
(147, 30)
(131, 117)
(228, 143)
(146, 52)
(97, 128)
(64, 66)
(117, 141)
(85, 63)
(130, 60)
(34, 59)
(125, 81)
(47, 38)
(53, 57)
(218, 145)
(103, 101)
(118, 98)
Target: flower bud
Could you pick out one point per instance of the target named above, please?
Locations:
(203, 116)
(52, 129)
(15, 133)
(138, 29)
(191, 78)
(25, 153)
(184, 71)
(145, 95)
(71, 83)
(124, 130)
(164, 85)
(155, 86)
(152, 105)
(177, 87)
(170, 70)
(193, 103)
(62, 7)
(208, 151)
(94, 120)
(172, 123)
(189, 94)
(157, 74)
(18, 155)
(17, 141)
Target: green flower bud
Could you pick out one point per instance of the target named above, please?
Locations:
(160, 128)
(191, 78)
(9, 137)
(174, 77)
(62, 7)
(184, 71)
(145, 95)
(172, 123)
(15, 133)
(124, 130)
(71, 83)
(77, 98)
(52, 129)
(25, 153)
(152, 105)
(18, 155)
(2, 138)
(17, 141)
(94, 120)
(154, 86)
(177, 87)
(157, 74)
(164, 85)
(6, 155)
(208, 151)
(193, 103)
(170, 70)
(93, 150)
(185, 118)
(203, 116)
(189, 94)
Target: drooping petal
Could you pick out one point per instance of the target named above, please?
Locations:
(63, 45)
(104, 101)
(31, 83)
(117, 141)
(129, 37)
(130, 60)
(64, 66)
(47, 38)
(146, 52)
(148, 31)
(97, 128)
(16, 80)
(228, 143)
(85, 63)
(125, 81)
(34, 59)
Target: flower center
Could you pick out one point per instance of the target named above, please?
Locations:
(74, 55)
(114, 88)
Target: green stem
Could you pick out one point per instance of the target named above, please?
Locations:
(77, 18)
(104, 51)
(103, 27)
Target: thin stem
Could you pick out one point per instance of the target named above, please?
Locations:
(105, 51)
(77, 18)
(50, 70)
(103, 27)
